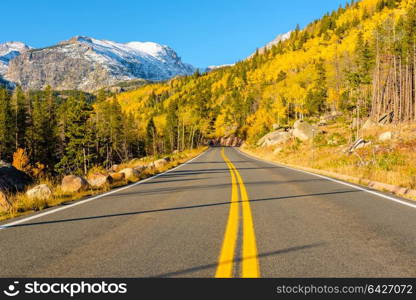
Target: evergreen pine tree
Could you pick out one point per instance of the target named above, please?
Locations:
(6, 126)
(20, 118)
(77, 153)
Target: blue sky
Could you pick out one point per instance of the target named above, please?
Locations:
(210, 32)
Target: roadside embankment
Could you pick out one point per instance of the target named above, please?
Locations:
(47, 193)
(383, 158)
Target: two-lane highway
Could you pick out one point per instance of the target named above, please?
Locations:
(221, 215)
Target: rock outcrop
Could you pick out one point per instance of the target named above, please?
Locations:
(274, 138)
(229, 141)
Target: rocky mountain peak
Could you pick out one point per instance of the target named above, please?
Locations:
(89, 64)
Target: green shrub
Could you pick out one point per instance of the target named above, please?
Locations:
(387, 161)
(336, 139)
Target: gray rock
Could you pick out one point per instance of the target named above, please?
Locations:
(140, 168)
(74, 184)
(150, 165)
(130, 173)
(40, 192)
(369, 124)
(99, 180)
(117, 177)
(303, 130)
(386, 136)
(161, 163)
(274, 138)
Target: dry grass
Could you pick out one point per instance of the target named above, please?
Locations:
(392, 162)
(23, 205)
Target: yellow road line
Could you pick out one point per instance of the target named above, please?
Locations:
(251, 268)
(225, 263)
(250, 264)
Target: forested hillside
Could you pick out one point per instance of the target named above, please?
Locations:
(359, 60)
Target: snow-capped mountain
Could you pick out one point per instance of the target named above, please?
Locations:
(8, 51)
(89, 64)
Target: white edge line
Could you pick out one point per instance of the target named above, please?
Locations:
(333, 180)
(11, 224)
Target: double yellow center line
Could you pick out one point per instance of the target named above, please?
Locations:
(250, 265)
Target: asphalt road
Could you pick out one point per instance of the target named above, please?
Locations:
(281, 223)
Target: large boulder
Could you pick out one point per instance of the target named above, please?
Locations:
(274, 138)
(303, 130)
(5, 204)
(39, 192)
(130, 173)
(386, 136)
(161, 163)
(99, 179)
(150, 165)
(140, 168)
(74, 184)
(12, 180)
(369, 124)
(116, 177)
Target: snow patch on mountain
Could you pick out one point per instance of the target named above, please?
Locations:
(280, 38)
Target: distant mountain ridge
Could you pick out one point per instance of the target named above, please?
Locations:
(88, 64)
